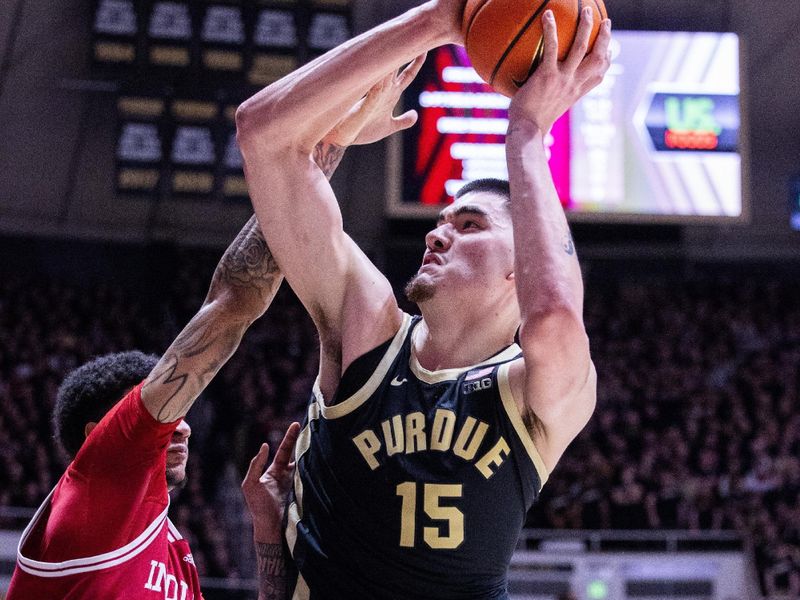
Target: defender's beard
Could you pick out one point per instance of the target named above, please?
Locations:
(419, 290)
(176, 477)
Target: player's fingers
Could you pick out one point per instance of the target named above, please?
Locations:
(581, 44)
(406, 120)
(594, 66)
(408, 74)
(257, 465)
(550, 40)
(284, 454)
(376, 92)
(603, 41)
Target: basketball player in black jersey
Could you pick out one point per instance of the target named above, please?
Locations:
(426, 440)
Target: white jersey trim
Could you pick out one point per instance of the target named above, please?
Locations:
(516, 420)
(363, 394)
(174, 530)
(295, 510)
(431, 377)
(442, 375)
(91, 563)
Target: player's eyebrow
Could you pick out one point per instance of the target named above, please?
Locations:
(464, 209)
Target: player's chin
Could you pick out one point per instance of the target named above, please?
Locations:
(176, 476)
(420, 288)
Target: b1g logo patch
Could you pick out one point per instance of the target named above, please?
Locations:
(477, 380)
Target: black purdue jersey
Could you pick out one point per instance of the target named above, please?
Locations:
(415, 486)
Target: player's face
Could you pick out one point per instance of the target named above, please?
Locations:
(178, 454)
(470, 252)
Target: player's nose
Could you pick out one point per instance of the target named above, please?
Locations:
(437, 239)
(183, 431)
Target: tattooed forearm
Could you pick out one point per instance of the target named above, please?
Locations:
(272, 576)
(248, 264)
(192, 360)
(328, 156)
(244, 284)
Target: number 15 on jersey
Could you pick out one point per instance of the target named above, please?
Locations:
(432, 496)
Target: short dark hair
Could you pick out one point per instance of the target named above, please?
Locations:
(91, 390)
(495, 186)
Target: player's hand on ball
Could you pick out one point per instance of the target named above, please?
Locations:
(555, 86)
(372, 118)
(265, 491)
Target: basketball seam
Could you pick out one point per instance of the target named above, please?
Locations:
(600, 10)
(513, 43)
(472, 20)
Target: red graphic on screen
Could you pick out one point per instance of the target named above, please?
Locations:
(559, 159)
(476, 114)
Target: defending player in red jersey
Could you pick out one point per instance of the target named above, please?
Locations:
(103, 532)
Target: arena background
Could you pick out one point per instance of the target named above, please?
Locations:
(695, 329)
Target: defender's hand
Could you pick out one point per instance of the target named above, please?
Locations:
(265, 492)
(371, 119)
(555, 86)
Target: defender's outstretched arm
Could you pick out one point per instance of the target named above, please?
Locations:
(242, 287)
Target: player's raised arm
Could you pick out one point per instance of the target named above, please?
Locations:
(350, 301)
(242, 287)
(557, 380)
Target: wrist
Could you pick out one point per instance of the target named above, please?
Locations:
(267, 533)
(522, 132)
(440, 25)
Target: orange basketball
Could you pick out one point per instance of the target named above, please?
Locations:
(504, 37)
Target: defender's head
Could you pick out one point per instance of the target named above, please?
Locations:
(469, 256)
(91, 390)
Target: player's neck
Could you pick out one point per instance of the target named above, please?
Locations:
(451, 341)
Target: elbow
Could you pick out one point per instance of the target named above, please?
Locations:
(248, 124)
(241, 303)
(258, 118)
(265, 129)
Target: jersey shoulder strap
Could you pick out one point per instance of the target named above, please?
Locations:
(371, 378)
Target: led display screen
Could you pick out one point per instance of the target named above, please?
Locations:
(658, 139)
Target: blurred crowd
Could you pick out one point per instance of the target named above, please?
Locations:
(695, 428)
(697, 425)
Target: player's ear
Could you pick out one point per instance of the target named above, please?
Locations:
(88, 428)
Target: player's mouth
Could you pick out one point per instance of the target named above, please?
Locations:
(431, 258)
(178, 450)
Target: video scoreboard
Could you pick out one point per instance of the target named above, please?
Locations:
(182, 68)
(658, 140)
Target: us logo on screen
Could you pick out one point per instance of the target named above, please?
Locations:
(680, 122)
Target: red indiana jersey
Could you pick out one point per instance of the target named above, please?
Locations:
(103, 532)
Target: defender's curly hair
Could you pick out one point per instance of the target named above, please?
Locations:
(91, 390)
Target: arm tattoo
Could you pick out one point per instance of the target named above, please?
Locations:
(248, 263)
(569, 243)
(272, 576)
(249, 272)
(328, 156)
(185, 373)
